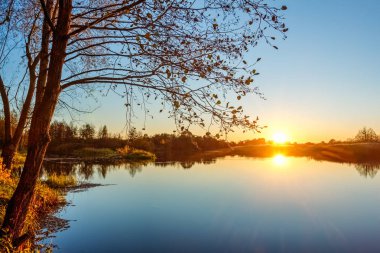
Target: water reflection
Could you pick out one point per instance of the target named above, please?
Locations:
(367, 169)
(279, 160)
(233, 205)
(87, 170)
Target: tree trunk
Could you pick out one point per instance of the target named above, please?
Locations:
(8, 153)
(39, 129)
(19, 204)
(10, 147)
(44, 61)
(7, 124)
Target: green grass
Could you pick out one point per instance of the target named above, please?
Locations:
(94, 153)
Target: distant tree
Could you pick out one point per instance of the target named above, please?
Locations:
(103, 132)
(366, 135)
(57, 131)
(133, 134)
(72, 131)
(87, 132)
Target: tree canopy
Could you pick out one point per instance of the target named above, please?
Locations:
(184, 55)
(366, 135)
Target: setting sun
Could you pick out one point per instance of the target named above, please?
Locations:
(279, 138)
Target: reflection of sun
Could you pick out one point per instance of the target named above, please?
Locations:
(279, 138)
(279, 160)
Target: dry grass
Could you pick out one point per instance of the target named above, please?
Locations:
(47, 200)
(135, 154)
(60, 181)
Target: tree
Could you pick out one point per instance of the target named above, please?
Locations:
(366, 135)
(185, 54)
(103, 132)
(58, 131)
(87, 132)
(61, 131)
(8, 25)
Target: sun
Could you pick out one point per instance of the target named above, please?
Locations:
(280, 138)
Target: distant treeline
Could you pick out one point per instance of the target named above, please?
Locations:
(67, 137)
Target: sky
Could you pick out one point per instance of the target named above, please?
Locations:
(322, 83)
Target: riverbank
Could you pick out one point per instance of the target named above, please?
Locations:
(342, 153)
(49, 198)
(41, 222)
(353, 153)
(103, 155)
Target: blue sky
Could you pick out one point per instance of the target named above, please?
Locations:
(322, 83)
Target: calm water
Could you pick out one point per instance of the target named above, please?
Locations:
(232, 205)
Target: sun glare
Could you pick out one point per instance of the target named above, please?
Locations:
(279, 160)
(279, 138)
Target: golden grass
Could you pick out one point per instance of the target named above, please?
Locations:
(60, 181)
(135, 154)
(46, 200)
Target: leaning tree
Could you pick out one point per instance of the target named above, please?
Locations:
(186, 56)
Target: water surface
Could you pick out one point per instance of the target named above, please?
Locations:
(232, 205)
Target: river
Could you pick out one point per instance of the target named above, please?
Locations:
(231, 204)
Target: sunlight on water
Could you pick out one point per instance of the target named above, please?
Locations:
(279, 160)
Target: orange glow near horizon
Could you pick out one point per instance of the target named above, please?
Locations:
(279, 138)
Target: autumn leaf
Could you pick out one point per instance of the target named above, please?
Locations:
(248, 81)
(147, 36)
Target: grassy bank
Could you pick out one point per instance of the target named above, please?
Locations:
(49, 197)
(108, 155)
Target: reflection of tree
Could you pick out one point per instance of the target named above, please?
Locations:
(86, 170)
(133, 168)
(367, 169)
(103, 170)
(187, 165)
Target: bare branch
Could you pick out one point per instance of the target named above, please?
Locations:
(47, 14)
